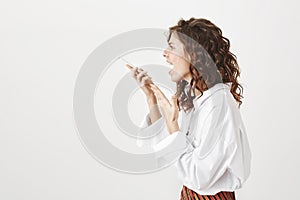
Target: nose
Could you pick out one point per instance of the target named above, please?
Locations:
(165, 53)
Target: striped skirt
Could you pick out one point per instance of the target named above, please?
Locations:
(188, 194)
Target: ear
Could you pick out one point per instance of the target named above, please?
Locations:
(189, 58)
(187, 55)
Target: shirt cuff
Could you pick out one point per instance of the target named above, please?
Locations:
(171, 148)
(150, 134)
(166, 141)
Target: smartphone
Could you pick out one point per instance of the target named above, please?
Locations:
(129, 65)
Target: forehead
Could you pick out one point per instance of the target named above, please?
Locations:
(174, 40)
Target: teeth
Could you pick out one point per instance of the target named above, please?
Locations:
(169, 62)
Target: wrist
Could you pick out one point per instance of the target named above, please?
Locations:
(151, 99)
(172, 127)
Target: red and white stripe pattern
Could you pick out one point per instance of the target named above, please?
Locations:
(188, 194)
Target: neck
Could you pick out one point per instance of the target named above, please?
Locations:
(189, 79)
(197, 92)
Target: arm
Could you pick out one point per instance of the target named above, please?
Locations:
(202, 162)
(154, 112)
(203, 165)
(151, 134)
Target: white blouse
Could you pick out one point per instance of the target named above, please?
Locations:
(215, 156)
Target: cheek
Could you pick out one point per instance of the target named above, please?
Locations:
(181, 66)
(179, 61)
(175, 59)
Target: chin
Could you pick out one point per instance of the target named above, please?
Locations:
(175, 78)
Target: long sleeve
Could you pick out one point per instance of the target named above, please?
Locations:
(155, 135)
(241, 163)
(168, 149)
(207, 162)
(150, 134)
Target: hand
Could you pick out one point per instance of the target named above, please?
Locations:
(169, 108)
(143, 80)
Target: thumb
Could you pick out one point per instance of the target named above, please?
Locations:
(174, 101)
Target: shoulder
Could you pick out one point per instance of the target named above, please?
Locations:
(217, 96)
(211, 100)
(219, 104)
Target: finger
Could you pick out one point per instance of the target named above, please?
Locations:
(129, 67)
(134, 72)
(157, 95)
(137, 71)
(148, 80)
(140, 75)
(140, 70)
(160, 95)
(158, 90)
(174, 101)
(145, 80)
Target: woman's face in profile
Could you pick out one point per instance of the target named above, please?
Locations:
(176, 56)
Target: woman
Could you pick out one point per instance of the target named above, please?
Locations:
(216, 157)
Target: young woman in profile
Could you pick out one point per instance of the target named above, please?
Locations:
(217, 159)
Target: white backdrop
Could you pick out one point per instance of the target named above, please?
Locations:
(43, 45)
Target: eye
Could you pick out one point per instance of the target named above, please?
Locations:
(171, 46)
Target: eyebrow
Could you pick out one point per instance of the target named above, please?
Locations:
(170, 43)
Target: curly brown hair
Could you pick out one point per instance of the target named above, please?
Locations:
(211, 54)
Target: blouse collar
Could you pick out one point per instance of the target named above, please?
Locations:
(197, 101)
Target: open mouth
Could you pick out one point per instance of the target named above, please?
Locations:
(171, 71)
(169, 62)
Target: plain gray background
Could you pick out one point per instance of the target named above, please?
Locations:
(43, 45)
